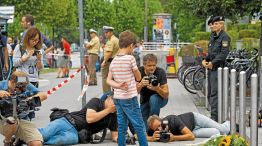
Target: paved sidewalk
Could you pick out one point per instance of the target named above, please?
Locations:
(180, 101)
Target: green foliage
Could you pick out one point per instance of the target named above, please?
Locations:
(202, 36)
(187, 22)
(248, 33)
(229, 8)
(233, 34)
(128, 18)
(242, 26)
(232, 27)
(98, 13)
(250, 43)
(256, 26)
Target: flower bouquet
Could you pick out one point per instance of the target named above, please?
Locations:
(223, 140)
(227, 140)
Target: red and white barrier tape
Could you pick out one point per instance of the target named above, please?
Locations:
(54, 89)
(83, 90)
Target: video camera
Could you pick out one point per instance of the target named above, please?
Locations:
(164, 135)
(23, 108)
(152, 79)
(19, 101)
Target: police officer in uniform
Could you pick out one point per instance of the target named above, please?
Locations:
(218, 48)
(110, 51)
(93, 50)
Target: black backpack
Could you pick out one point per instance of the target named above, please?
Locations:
(57, 113)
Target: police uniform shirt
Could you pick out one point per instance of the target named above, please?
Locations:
(95, 44)
(112, 45)
(218, 48)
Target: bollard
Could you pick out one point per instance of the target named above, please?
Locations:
(260, 84)
(242, 104)
(219, 94)
(233, 101)
(225, 94)
(254, 109)
(206, 92)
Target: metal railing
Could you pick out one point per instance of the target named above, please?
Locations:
(223, 104)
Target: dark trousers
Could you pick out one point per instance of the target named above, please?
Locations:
(212, 93)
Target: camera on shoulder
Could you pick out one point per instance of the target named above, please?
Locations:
(23, 107)
(164, 134)
(152, 79)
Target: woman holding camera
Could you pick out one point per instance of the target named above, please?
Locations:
(28, 57)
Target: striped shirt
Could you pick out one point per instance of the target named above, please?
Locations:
(122, 70)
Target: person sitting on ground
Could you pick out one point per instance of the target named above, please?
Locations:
(186, 126)
(96, 115)
(21, 129)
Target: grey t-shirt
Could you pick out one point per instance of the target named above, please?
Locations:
(29, 66)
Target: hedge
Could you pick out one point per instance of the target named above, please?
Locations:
(249, 33)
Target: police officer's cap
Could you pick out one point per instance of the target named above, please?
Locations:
(218, 18)
(108, 28)
(92, 30)
(210, 20)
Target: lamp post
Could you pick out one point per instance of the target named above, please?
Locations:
(81, 38)
(145, 22)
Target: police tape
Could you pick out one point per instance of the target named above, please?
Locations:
(85, 87)
(60, 85)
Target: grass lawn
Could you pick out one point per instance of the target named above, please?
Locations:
(48, 70)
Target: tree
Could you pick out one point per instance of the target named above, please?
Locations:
(186, 23)
(232, 9)
(129, 16)
(98, 13)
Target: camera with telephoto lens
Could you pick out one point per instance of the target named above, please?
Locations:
(24, 106)
(164, 135)
(152, 79)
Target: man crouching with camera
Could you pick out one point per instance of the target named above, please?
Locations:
(18, 98)
(153, 87)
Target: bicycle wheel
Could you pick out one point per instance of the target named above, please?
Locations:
(188, 81)
(199, 79)
(180, 72)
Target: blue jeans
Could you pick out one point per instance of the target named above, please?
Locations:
(128, 110)
(206, 127)
(152, 107)
(59, 132)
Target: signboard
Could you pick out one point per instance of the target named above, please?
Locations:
(162, 28)
(8, 11)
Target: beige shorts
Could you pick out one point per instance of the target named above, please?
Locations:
(26, 131)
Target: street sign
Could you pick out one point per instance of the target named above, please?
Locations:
(9, 12)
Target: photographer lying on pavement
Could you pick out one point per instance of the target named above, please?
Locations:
(27, 96)
(186, 126)
(153, 87)
(94, 117)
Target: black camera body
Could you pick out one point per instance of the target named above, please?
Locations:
(152, 79)
(164, 134)
(36, 52)
(23, 108)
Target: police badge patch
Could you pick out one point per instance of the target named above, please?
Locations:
(225, 43)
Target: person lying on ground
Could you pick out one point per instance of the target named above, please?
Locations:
(186, 126)
(95, 116)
